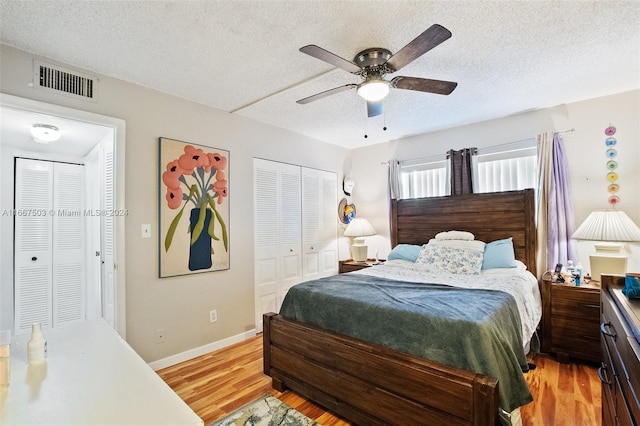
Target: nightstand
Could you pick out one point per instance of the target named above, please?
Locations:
(350, 265)
(571, 320)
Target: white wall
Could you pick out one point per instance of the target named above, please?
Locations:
(585, 149)
(180, 305)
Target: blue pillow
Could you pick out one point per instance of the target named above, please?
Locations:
(405, 252)
(499, 254)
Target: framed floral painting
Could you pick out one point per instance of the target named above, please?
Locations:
(194, 208)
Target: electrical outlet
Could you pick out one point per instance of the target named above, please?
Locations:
(160, 335)
(213, 315)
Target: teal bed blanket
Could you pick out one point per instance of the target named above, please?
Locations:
(472, 329)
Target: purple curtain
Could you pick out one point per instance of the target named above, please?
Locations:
(560, 219)
(461, 167)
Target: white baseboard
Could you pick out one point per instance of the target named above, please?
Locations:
(196, 352)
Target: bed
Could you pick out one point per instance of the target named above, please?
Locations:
(371, 383)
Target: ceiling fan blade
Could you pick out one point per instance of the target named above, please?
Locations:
(374, 108)
(333, 59)
(439, 87)
(326, 93)
(433, 36)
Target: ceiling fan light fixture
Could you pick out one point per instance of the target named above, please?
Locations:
(45, 133)
(374, 90)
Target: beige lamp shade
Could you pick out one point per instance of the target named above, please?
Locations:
(610, 227)
(358, 229)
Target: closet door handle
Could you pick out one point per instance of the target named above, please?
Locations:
(34, 258)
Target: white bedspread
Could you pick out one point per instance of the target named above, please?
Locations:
(521, 284)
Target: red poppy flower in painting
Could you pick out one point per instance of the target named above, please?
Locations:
(171, 177)
(174, 197)
(197, 178)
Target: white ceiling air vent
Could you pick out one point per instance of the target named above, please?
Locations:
(64, 81)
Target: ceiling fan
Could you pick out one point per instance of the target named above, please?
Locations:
(374, 63)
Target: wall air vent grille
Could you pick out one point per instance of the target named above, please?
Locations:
(64, 81)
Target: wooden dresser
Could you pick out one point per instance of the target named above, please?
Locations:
(620, 368)
(571, 320)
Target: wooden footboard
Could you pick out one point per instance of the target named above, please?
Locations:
(372, 385)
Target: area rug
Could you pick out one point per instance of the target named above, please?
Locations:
(266, 411)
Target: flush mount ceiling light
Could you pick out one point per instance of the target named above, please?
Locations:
(45, 133)
(374, 89)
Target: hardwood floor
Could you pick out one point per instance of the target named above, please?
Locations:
(217, 383)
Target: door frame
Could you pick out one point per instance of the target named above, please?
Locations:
(119, 128)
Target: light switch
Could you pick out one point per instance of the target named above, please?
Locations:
(146, 230)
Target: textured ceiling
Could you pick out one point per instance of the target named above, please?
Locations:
(242, 57)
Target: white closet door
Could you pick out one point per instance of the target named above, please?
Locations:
(277, 234)
(69, 300)
(319, 223)
(265, 175)
(329, 224)
(32, 250)
(108, 254)
(311, 223)
(290, 229)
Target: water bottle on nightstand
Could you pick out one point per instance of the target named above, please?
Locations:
(578, 276)
(571, 270)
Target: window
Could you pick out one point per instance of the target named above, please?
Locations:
(425, 179)
(497, 174)
(507, 167)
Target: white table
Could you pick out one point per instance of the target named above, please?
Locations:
(91, 377)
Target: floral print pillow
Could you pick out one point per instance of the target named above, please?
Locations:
(450, 259)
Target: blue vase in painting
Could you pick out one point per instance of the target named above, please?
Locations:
(200, 250)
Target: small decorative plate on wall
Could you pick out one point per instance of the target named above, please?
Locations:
(346, 212)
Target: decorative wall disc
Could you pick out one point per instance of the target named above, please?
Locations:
(613, 188)
(611, 130)
(614, 199)
(612, 176)
(612, 153)
(612, 165)
(611, 141)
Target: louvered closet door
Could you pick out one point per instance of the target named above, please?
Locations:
(329, 224)
(108, 230)
(265, 175)
(32, 250)
(319, 223)
(49, 244)
(311, 223)
(69, 300)
(290, 232)
(277, 234)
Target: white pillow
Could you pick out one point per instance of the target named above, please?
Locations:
(438, 259)
(454, 235)
(520, 267)
(473, 245)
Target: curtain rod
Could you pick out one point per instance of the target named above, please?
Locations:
(440, 157)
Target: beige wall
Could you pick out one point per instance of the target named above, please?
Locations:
(180, 305)
(585, 149)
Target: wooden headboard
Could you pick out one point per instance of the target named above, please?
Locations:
(490, 217)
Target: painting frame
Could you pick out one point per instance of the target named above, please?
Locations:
(193, 208)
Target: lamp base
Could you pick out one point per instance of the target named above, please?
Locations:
(606, 247)
(359, 253)
(607, 264)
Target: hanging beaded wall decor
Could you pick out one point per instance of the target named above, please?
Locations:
(612, 165)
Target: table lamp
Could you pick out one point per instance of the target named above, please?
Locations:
(612, 227)
(358, 229)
